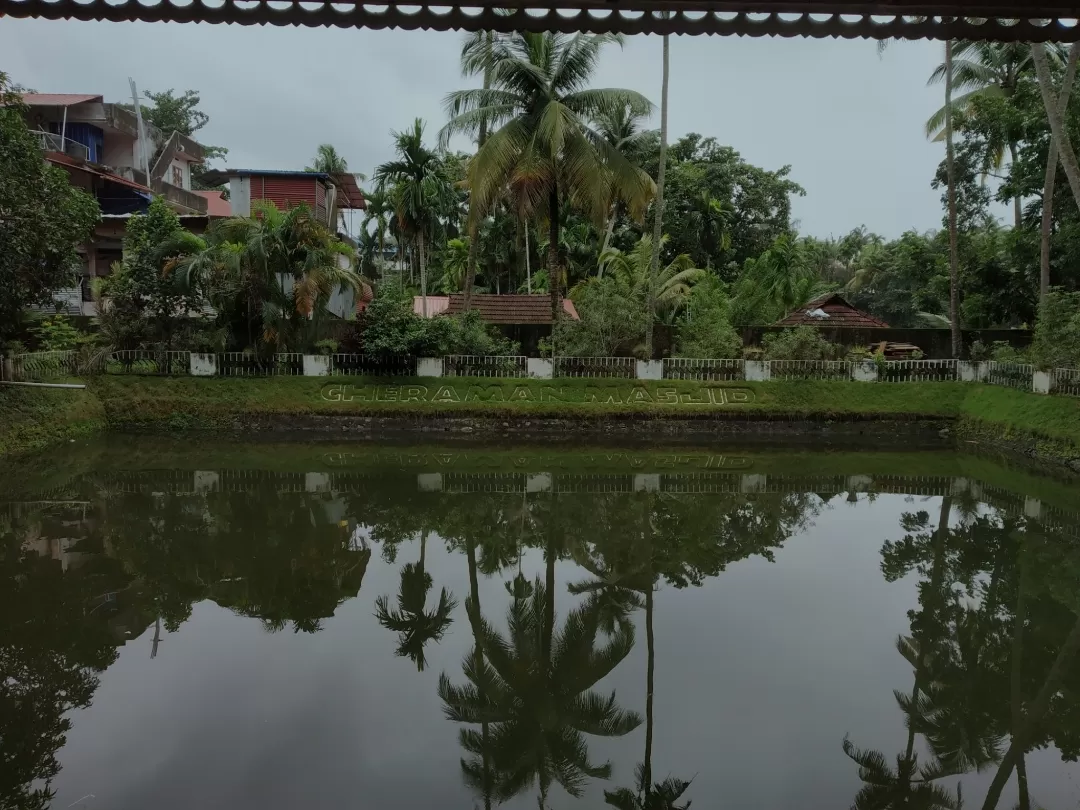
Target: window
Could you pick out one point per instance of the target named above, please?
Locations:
(177, 176)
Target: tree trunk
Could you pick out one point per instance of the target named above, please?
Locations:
(528, 262)
(607, 238)
(658, 222)
(950, 171)
(1018, 206)
(1035, 715)
(1051, 180)
(474, 219)
(650, 668)
(423, 272)
(472, 608)
(1057, 120)
(553, 253)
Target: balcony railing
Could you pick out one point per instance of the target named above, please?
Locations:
(51, 142)
(180, 196)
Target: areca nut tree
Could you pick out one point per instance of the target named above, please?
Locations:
(544, 145)
(658, 214)
(420, 192)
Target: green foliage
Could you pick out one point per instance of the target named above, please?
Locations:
(705, 331)
(611, 323)
(800, 343)
(170, 113)
(1057, 332)
(775, 283)
(1004, 352)
(55, 333)
(43, 219)
(719, 209)
(34, 418)
(392, 328)
(326, 347)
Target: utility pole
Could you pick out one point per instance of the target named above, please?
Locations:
(142, 131)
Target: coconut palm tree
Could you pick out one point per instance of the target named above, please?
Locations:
(622, 128)
(420, 192)
(544, 147)
(657, 796)
(413, 623)
(538, 699)
(476, 58)
(281, 266)
(328, 161)
(658, 221)
(908, 785)
(1051, 176)
(670, 289)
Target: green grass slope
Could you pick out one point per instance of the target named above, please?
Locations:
(33, 418)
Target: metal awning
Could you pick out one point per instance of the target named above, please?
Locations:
(1004, 20)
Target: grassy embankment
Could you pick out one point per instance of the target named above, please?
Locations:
(29, 418)
(33, 418)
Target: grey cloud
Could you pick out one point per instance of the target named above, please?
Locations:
(849, 123)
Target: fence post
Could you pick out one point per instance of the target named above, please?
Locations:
(865, 371)
(1040, 382)
(967, 371)
(7, 368)
(539, 367)
(202, 365)
(429, 367)
(316, 365)
(757, 370)
(650, 369)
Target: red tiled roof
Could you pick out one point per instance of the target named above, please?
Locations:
(216, 205)
(831, 310)
(507, 309)
(57, 99)
(511, 308)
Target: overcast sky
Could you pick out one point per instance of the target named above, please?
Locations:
(849, 123)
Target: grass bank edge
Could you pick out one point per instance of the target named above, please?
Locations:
(34, 418)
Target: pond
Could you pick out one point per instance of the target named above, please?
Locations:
(325, 626)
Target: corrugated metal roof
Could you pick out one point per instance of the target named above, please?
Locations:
(57, 99)
(831, 310)
(504, 309)
(1000, 20)
(61, 159)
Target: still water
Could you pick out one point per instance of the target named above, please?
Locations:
(252, 626)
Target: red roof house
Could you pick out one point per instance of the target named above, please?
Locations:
(831, 310)
(496, 309)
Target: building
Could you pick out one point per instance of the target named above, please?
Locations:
(832, 311)
(325, 194)
(100, 147)
(500, 310)
(525, 319)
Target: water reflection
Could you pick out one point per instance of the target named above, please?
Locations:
(991, 641)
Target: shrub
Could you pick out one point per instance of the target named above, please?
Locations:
(800, 343)
(326, 347)
(1004, 352)
(55, 333)
(979, 351)
(392, 328)
(706, 331)
(1057, 332)
(610, 324)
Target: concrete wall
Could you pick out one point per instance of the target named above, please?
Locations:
(240, 196)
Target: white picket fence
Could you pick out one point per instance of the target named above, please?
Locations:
(689, 368)
(45, 365)
(473, 365)
(623, 368)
